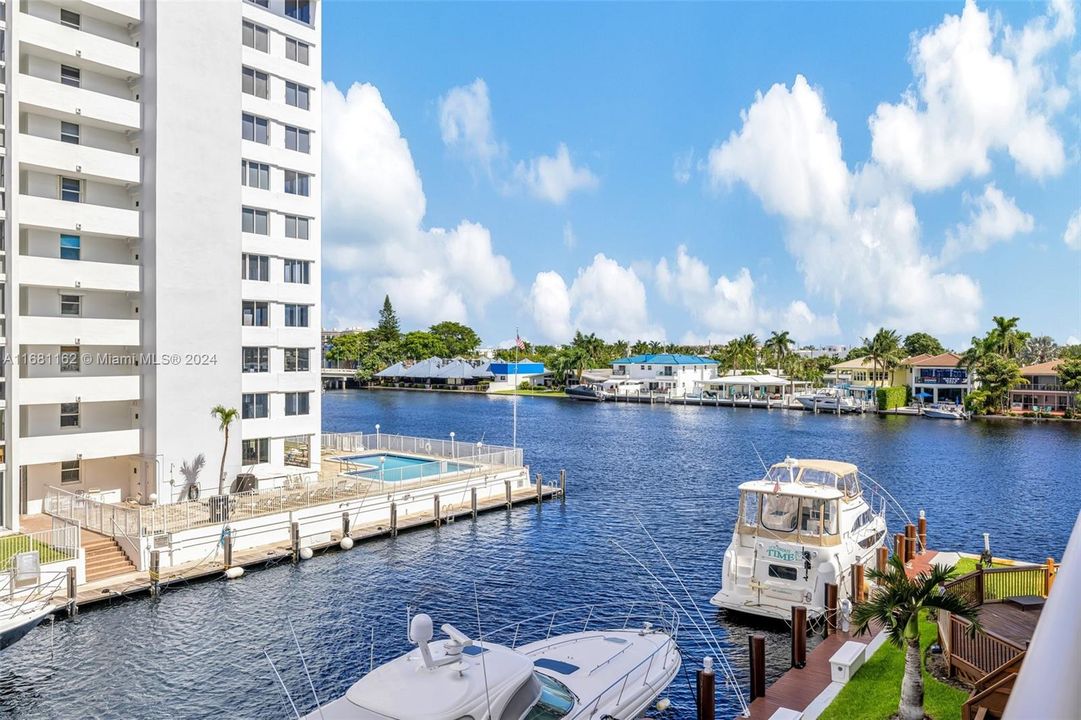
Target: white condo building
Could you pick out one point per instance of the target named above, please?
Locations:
(161, 244)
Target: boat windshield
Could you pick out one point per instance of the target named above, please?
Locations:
(555, 702)
(812, 476)
(782, 474)
(779, 512)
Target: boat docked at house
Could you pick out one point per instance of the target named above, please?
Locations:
(590, 393)
(800, 527)
(945, 411)
(827, 400)
(616, 673)
(24, 607)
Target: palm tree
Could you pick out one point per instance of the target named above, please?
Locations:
(1039, 350)
(884, 349)
(896, 604)
(745, 352)
(779, 344)
(225, 417)
(976, 352)
(1005, 338)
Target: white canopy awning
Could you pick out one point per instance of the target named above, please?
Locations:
(746, 380)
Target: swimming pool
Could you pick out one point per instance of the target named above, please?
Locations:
(391, 467)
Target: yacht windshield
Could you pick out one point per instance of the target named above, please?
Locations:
(555, 702)
(819, 477)
(779, 512)
(782, 474)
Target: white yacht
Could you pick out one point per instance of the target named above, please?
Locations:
(827, 400)
(617, 673)
(945, 411)
(803, 525)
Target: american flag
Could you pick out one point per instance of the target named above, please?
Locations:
(518, 343)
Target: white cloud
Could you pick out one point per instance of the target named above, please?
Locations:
(554, 177)
(465, 122)
(855, 237)
(974, 95)
(994, 217)
(605, 298)
(570, 240)
(1072, 236)
(682, 165)
(805, 325)
(374, 241)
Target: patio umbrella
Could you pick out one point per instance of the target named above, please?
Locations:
(923, 394)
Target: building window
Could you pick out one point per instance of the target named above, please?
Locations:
(69, 414)
(70, 358)
(296, 227)
(296, 50)
(255, 313)
(296, 316)
(298, 139)
(254, 221)
(70, 19)
(69, 472)
(69, 132)
(296, 403)
(256, 267)
(256, 175)
(254, 128)
(296, 359)
(70, 247)
(299, 10)
(256, 36)
(70, 76)
(254, 406)
(255, 360)
(71, 189)
(71, 305)
(297, 271)
(256, 451)
(296, 95)
(254, 82)
(297, 183)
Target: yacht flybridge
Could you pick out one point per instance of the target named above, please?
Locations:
(588, 674)
(802, 526)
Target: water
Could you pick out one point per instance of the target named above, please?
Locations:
(198, 651)
(395, 468)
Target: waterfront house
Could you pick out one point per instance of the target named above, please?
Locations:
(670, 373)
(936, 378)
(508, 375)
(1044, 390)
(859, 377)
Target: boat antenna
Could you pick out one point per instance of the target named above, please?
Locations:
(304, 663)
(514, 402)
(278, 675)
(763, 462)
(690, 599)
(480, 638)
(714, 645)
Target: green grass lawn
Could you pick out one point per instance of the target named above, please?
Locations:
(875, 690)
(10, 545)
(533, 393)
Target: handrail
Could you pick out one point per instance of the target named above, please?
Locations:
(32, 594)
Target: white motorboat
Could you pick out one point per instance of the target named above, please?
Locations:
(616, 673)
(827, 400)
(24, 608)
(945, 411)
(802, 526)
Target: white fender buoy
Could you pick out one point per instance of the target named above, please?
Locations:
(234, 572)
(346, 543)
(306, 553)
(663, 704)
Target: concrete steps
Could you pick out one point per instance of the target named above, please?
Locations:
(105, 558)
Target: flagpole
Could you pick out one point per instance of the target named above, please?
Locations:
(514, 402)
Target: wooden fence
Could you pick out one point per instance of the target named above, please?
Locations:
(977, 655)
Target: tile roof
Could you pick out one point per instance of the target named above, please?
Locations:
(948, 359)
(1045, 368)
(665, 359)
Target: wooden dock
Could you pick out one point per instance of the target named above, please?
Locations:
(138, 583)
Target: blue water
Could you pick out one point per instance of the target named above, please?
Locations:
(395, 468)
(198, 651)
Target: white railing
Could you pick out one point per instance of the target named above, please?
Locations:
(1047, 684)
(100, 517)
(56, 545)
(449, 449)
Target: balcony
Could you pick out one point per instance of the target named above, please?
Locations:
(76, 388)
(63, 44)
(57, 273)
(53, 214)
(120, 12)
(41, 330)
(43, 154)
(74, 445)
(75, 104)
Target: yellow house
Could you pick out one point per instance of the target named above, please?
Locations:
(861, 376)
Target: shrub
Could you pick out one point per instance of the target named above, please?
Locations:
(976, 402)
(1068, 413)
(525, 385)
(889, 398)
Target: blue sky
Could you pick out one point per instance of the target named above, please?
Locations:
(697, 171)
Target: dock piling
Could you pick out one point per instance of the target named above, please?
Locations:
(899, 545)
(345, 523)
(540, 490)
(227, 550)
(563, 485)
(910, 543)
(831, 610)
(883, 558)
(294, 540)
(857, 583)
(707, 691)
(799, 636)
(506, 485)
(473, 502)
(394, 519)
(155, 573)
(435, 508)
(757, 648)
(73, 609)
(922, 532)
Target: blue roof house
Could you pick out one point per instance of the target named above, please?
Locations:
(669, 373)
